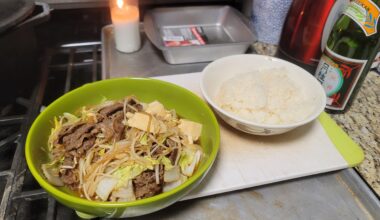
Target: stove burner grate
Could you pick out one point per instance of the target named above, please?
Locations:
(64, 69)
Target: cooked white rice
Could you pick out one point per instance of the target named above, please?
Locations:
(266, 96)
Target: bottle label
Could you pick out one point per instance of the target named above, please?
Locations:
(365, 13)
(338, 76)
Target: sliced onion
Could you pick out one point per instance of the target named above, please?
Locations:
(81, 171)
(189, 170)
(172, 185)
(125, 193)
(105, 187)
(157, 172)
(51, 175)
(172, 175)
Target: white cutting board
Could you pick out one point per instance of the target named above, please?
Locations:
(246, 160)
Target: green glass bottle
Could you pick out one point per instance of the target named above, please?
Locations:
(351, 47)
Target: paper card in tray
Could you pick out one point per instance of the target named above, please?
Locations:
(246, 160)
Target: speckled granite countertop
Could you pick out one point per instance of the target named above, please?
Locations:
(361, 122)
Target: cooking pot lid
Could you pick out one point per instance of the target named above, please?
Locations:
(13, 12)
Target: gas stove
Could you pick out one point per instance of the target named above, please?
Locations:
(64, 68)
(68, 58)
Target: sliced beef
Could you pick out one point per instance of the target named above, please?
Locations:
(112, 128)
(117, 108)
(117, 125)
(89, 142)
(106, 127)
(67, 130)
(58, 151)
(100, 117)
(75, 139)
(72, 153)
(69, 177)
(145, 184)
(111, 109)
(96, 130)
(133, 102)
(112, 122)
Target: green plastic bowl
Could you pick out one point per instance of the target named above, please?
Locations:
(186, 104)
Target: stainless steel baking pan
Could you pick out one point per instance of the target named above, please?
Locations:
(228, 32)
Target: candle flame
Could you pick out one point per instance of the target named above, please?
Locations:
(120, 3)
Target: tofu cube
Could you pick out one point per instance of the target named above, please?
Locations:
(141, 121)
(129, 115)
(156, 108)
(190, 128)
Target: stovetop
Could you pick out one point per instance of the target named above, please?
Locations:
(69, 57)
(20, 193)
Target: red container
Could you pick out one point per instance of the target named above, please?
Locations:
(307, 27)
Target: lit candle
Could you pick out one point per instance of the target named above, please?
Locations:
(125, 18)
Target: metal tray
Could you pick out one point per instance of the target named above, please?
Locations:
(227, 30)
